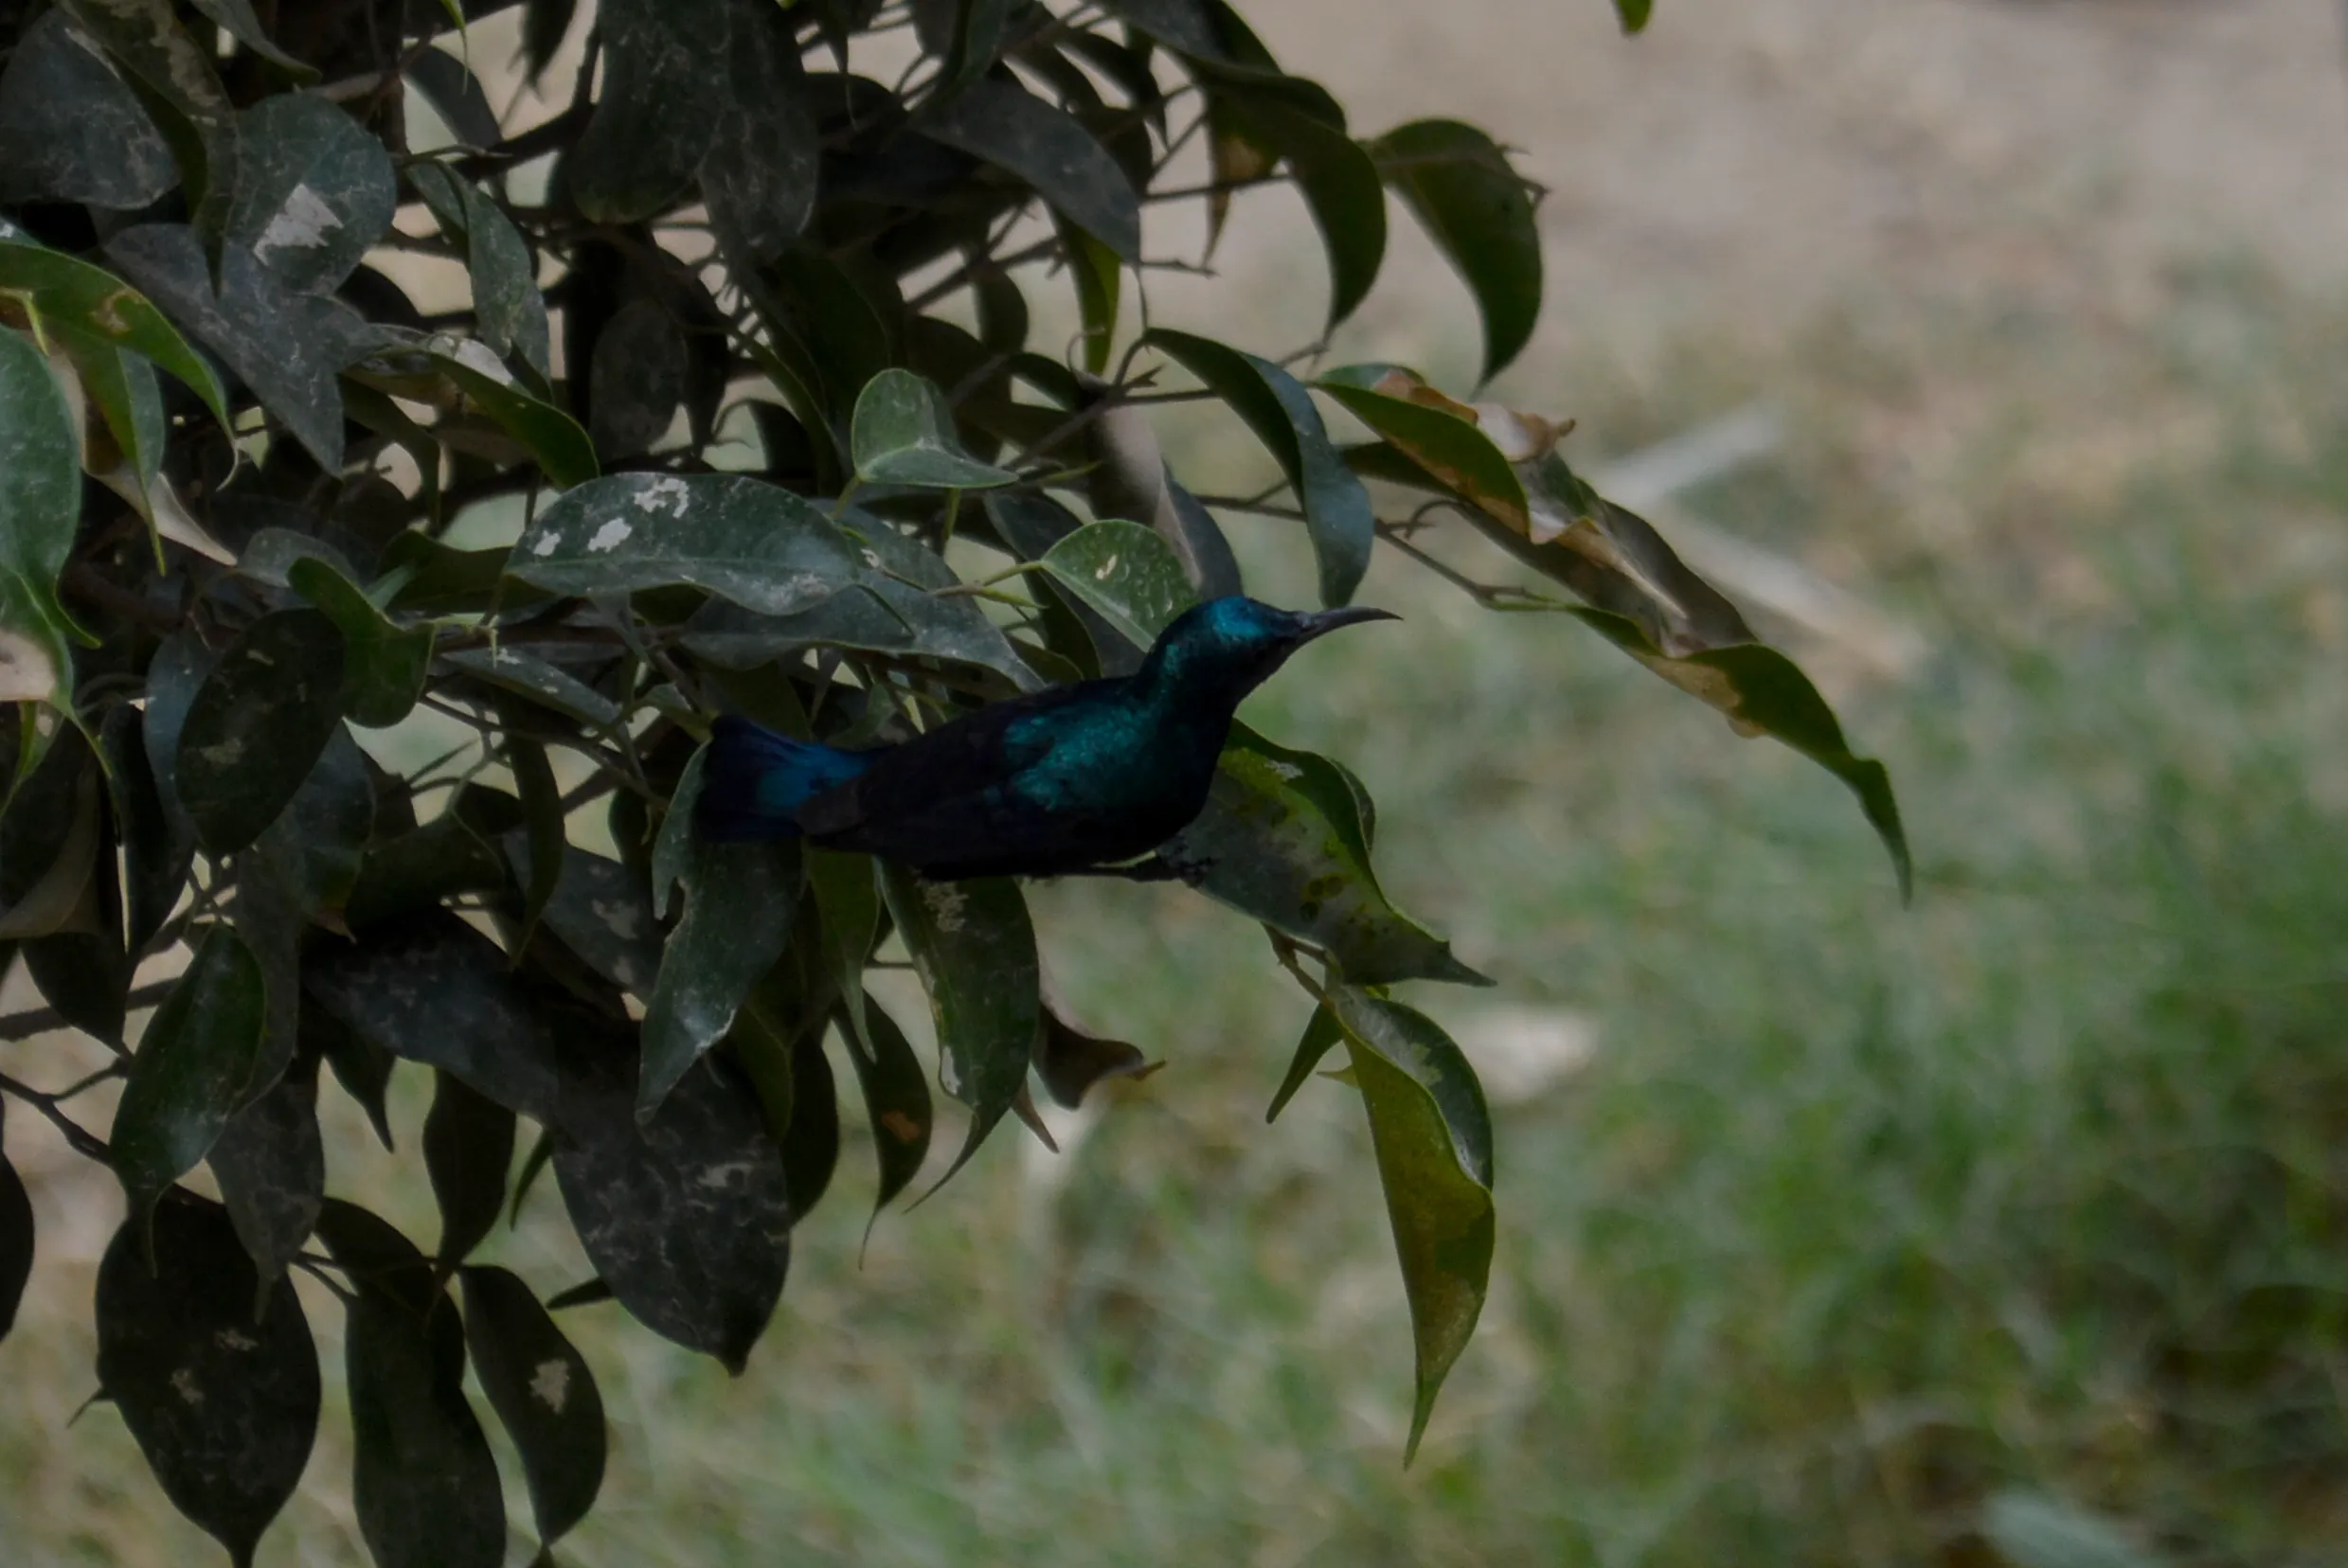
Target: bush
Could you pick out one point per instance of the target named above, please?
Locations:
(770, 438)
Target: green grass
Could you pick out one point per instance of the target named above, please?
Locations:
(1856, 1217)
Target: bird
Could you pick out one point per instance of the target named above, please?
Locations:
(1075, 779)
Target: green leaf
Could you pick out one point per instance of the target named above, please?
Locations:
(664, 65)
(542, 1390)
(174, 76)
(285, 345)
(1276, 406)
(212, 1367)
(974, 948)
(754, 543)
(16, 1244)
(686, 1216)
(1479, 211)
(431, 988)
(1281, 839)
(1130, 480)
(896, 1098)
(40, 504)
(848, 906)
(543, 838)
(1433, 1136)
(967, 35)
(1046, 148)
(759, 175)
(361, 1066)
(1100, 276)
(122, 388)
(904, 581)
(313, 190)
(1634, 14)
(551, 437)
(270, 1163)
(316, 845)
(1184, 25)
(508, 306)
(454, 92)
(51, 840)
(527, 675)
(1452, 449)
(424, 1482)
(70, 131)
(637, 380)
(383, 663)
(602, 914)
(1125, 574)
(89, 304)
(1321, 1035)
(468, 1150)
(193, 1069)
(1338, 180)
(257, 725)
(236, 18)
(738, 898)
(1070, 1062)
(903, 434)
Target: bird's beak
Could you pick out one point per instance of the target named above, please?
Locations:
(1320, 622)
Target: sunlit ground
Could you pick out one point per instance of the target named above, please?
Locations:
(1823, 1223)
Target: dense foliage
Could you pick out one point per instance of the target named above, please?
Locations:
(745, 384)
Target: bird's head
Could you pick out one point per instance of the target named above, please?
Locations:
(1235, 644)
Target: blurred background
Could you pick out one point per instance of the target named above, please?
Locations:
(1996, 352)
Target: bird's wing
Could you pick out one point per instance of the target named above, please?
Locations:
(952, 765)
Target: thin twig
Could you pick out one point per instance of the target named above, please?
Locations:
(24, 1025)
(84, 1142)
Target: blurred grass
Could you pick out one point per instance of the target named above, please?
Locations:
(1855, 1217)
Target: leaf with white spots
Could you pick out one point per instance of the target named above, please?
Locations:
(602, 913)
(214, 1373)
(257, 725)
(544, 1392)
(313, 190)
(505, 299)
(753, 544)
(270, 1163)
(182, 93)
(73, 130)
(89, 308)
(739, 899)
(974, 948)
(687, 1216)
(1125, 574)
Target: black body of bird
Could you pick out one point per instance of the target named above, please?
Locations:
(1073, 779)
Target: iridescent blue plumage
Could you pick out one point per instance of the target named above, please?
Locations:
(1072, 779)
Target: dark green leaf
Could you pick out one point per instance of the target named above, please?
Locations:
(543, 836)
(759, 175)
(1479, 211)
(258, 725)
(1099, 279)
(69, 130)
(510, 310)
(664, 62)
(222, 1398)
(468, 1149)
(544, 1392)
(82, 303)
(361, 1066)
(896, 1098)
(1634, 14)
(173, 76)
(423, 1483)
(903, 434)
(738, 903)
(313, 190)
(1321, 1035)
(1125, 574)
(1049, 151)
(1276, 406)
(236, 18)
(974, 948)
(383, 663)
(16, 1242)
(52, 839)
(40, 502)
(1281, 840)
(527, 675)
(286, 346)
(1433, 1136)
(123, 389)
(193, 1069)
(270, 1163)
(848, 904)
(638, 379)
(1184, 25)
(755, 544)
(687, 1215)
(602, 912)
(1339, 182)
(1129, 480)
(432, 990)
(545, 23)
(551, 437)
(810, 1144)
(966, 34)
(1029, 525)
(1070, 1062)
(1450, 448)
(455, 94)
(905, 580)
(316, 845)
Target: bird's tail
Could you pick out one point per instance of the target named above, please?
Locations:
(754, 780)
